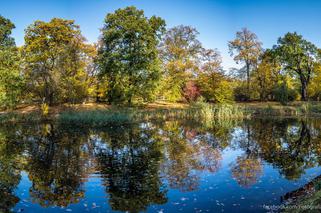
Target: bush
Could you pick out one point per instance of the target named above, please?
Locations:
(191, 91)
(241, 93)
(283, 94)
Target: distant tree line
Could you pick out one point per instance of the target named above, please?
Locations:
(138, 60)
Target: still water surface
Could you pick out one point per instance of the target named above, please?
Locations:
(167, 166)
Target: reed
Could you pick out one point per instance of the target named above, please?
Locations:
(200, 112)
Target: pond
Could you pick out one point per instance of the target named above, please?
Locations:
(160, 166)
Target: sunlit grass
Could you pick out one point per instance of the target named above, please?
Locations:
(202, 112)
(275, 109)
(199, 112)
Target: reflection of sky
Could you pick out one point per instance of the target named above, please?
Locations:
(201, 150)
(216, 191)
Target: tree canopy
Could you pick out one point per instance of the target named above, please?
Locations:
(6, 27)
(180, 49)
(246, 48)
(299, 57)
(11, 81)
(128, 54)
(137, 60)
(54, 55)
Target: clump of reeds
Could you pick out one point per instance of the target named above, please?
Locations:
(218, 111)
(200, 112)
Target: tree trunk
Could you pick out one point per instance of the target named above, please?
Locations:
(129, 101)
(248, 80)
(51, 99)
(304, 95)
(97, 94)
(248, 77)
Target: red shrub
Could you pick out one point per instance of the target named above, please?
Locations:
(191, 91)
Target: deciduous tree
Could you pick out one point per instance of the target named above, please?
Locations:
(214, 84)
(11, 81)
(128, 55)
(246, 48)
(180, 51)
(55, 66)
(266, 76)
(299, 57)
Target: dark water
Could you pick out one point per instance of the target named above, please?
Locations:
(157, 167)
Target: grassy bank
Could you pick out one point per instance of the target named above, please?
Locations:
(202, 111)
(276, 109)
(100, 115)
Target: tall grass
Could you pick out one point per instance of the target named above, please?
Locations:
(296, 109)
(96, 117)
(200, 112)
(218, 111)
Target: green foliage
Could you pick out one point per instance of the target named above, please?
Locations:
(299, 57)
(207, 111)
(285, 91)
(12, 117)
(96, 118)
(314, 88)
(55, 54)
(134, 62)
(265, 77)
(11, 81)
(128, 54)
(180, 50)
(246, 48)
(6, 27)
(214, 85)
(216, 88)
(241, 92)
(198, 111)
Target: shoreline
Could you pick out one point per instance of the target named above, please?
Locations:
(32, 113)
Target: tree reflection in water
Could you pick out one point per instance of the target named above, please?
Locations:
(130, 165)
(186, 153)
(139, 163)
(10, 167)
(247, 168)
(286, 144)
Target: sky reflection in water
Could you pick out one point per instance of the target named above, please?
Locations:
(158, 167)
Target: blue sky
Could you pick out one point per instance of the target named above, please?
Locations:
(216, 20)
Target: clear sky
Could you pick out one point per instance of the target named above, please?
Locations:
(216, 20)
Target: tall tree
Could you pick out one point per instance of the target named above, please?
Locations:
(10, 78)
(299, 57)
(211, 78)
(246, 48)
(54, 54)
(180, 51)
(266, 76)
(128, 54)
(6, 27)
